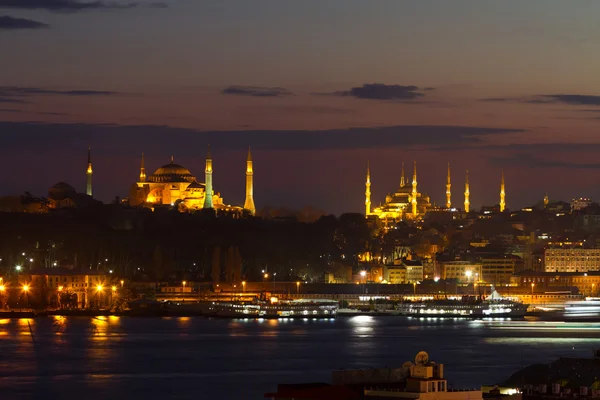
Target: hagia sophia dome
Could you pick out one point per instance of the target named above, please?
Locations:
(171, 173)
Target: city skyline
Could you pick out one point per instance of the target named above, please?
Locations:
(516, 93)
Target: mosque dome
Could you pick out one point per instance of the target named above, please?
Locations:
(172, 173)
(61, 191)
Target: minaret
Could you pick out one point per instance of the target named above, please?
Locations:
(402, 176)
(88, 187)
(368, 191)
(467, 193)
(142, 170)
(546, 200)
(208, 195)
(448, 185)
(413, 199)
(502, 194)
(249, 203)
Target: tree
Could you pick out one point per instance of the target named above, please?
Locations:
(237, 266)
(229, 264)
(157, 263)
(216, 266)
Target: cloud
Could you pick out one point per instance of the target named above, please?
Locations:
(11, 100)
(581, 99)
(9, 110)
(573, 99)
(158, 5)
(157, 138)
(65, 5)
(7, 22)
(381, 91)
(256, 91)
(24, 91)
(531, 160)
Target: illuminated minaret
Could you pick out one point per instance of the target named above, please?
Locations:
(402, 176)
(368, 191)
(249, 203)
(208, 195)
(88, 187)
(413, 199)
(546, 200)
(142, 170)
(448, 185)
(467, 193)
(502, 194)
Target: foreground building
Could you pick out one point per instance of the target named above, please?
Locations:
(422, 379)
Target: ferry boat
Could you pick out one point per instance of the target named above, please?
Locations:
(274, 308)
(585, 310)
(495, 306)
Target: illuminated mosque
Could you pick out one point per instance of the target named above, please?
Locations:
(407, 203)
(174, 185)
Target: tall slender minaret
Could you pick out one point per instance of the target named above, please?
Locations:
(88, 187)
(208, 195)
(413, 199)
(142, 170)
(502, 194)
(402, 183)
(368, 191)
(448, 185)
(467, 193)
(249, 203)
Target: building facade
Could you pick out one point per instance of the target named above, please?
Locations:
(571, 260)
(463, 271)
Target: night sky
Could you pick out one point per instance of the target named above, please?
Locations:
(316, 88)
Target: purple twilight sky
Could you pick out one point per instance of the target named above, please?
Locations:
(316, 88)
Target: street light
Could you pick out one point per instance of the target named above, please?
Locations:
(114, 289)
(244, 286)
(18, 267)
(298, 287)
(122, 282)
(99, 288)
(183, 283)
(26, 288)
(532, 286)
(2, 289)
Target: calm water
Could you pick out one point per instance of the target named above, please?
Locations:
(197, 358)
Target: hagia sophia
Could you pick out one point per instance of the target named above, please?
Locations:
(174, 185)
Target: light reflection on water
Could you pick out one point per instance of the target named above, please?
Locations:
(225, 359)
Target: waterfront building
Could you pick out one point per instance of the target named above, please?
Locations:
(396, 275)
(464, 272)
(586, 283)
(82, 288)
(571, 260)
(498, 269)
(174, 185)
(405, 203)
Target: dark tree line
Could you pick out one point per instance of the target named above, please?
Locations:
(166, 244)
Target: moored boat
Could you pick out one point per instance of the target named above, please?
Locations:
(468, 307)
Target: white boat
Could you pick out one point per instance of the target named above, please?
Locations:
(586, 310)
(495, 306)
